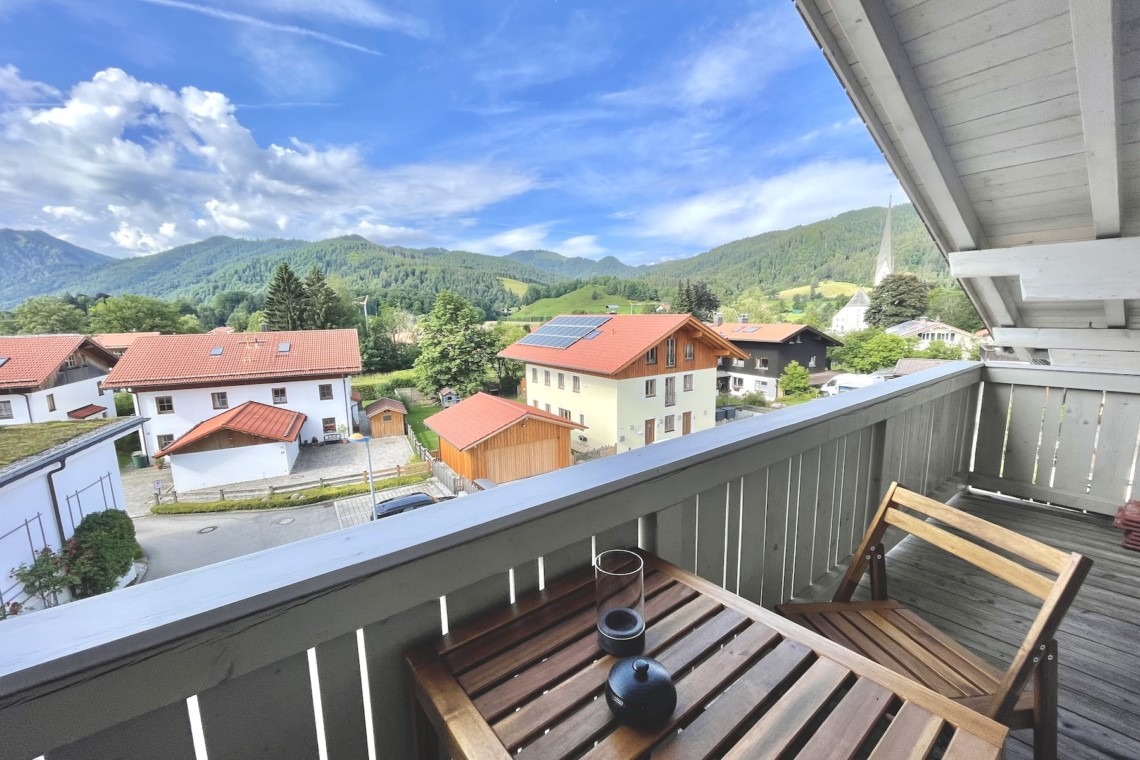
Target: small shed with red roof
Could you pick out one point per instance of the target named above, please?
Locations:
(484, 436)
(252, 441)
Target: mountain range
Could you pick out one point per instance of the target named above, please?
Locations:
(841, 248)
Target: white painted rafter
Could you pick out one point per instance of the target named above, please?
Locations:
(1068, 338)
(1085, 270)
(1094, 48)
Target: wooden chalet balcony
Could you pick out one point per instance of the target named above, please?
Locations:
(277, 653)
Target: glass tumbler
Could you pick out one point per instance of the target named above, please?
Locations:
(619, 584)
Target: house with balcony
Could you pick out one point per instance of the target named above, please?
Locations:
(631, 380)
(770, 348)
(53, 377)
(926, 331)
(1011, 130)
(181, 381)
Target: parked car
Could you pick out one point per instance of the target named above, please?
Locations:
(849, 382)
(398, 504)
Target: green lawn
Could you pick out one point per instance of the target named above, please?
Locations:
(827, 288)
(416, 417)
(518, 287)
(582, 301)
(20, 441)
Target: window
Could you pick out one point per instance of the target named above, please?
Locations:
(100, 387)
(561, 381)
(650, 388)
(651, 356)
(164, 441)
(534, 374)
(386, 418)
(738, 362)
(762, 363)
(670, 423)
(548, 407)
(5, 410)
(811, 361)
(326, 392)
(535, 402)
(72, 362)
(576, 384)
(164, 404)
(328, 424)
(687, 382)
(737, 383)
(279, 396)
(546, 377)
(671, 352)
(581, 419)
(690, 352)
(670, 391)
(564, 413)
(51, 402)
(759, 385)
(220, 399)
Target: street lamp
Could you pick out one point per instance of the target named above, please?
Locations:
(358, 438)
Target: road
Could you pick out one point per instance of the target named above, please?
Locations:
(176, 543)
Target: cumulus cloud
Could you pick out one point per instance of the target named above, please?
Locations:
(140, 164)
(806, 194)
(15, 89)
(533, 237)
(580, 245)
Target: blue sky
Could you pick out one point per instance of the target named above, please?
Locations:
(646, 130)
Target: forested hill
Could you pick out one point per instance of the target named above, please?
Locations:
(576, 268)
(34, 261)
(842, 248)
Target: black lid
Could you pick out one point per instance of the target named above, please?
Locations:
(640, 691)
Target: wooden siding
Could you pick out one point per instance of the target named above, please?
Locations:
(704, 357)
(381, 429)
(224, 439)
(529, 447)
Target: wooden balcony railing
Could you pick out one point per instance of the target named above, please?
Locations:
(280, 652)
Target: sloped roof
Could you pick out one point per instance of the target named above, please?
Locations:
(83, 412)
(752, 332)
(221, 358)
(27, 361)
(915, 326)
(385, 405)
(910, 366)
(252, 418)
(622, 340)
(477, 418)
(120, 340)
(860, 299)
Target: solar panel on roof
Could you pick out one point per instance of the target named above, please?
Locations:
(563, 332)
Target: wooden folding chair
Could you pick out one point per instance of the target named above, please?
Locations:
(894, 636)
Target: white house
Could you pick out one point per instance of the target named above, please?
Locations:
(53, 377)
(928, 331)
(51, 476)
(249, 442)
(630, 379)
(179, 381)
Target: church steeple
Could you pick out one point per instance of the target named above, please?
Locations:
(884, 265)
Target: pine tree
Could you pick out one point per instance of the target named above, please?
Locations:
(683, 304)
(321, 306)
(284, 301)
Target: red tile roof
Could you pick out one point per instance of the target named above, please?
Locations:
(385, 405)
(174, 360)
(252, 418)
(755, 332)
(223, 329)
(84, 412)
(477, 418)
(32, 359)
(121, 340)
(622, 340)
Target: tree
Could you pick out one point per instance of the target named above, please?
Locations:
(131, 313)
(285, 300)
(939, 350)
(704, 301)
(48, 314)
(952, 306)
(509, 371)
(321, 310)
(455, 350)
(795, 380)
(896, 299)
(869, 350)
(683, 303)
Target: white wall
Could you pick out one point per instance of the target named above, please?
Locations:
(24, 499)
(210, 469)
(849, 319)
(769, 386)
(596, 402)
(67, 397)
(195, 405)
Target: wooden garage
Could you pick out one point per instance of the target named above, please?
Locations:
(386, 416)
(489, 437)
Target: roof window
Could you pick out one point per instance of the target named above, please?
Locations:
(3, 360)
(216, 351)
(283, 347)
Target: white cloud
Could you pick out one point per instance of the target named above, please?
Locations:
(806, 194)
(19, 91)
(528, 238)
(182, 158)
(355, 12)
(580, 245)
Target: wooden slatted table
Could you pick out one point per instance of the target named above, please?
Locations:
(527, 681)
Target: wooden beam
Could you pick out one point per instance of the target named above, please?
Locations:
(1085, 270)
(1094, 48)
(1114, 315)
(1068, 338)
(871, 33)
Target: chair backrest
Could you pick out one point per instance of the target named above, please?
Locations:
(1056, 594)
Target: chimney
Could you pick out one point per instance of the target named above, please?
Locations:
(718, 320)
(743, 317)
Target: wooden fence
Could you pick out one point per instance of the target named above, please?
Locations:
(235, 494)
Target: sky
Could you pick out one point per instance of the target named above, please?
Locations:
(643, 129)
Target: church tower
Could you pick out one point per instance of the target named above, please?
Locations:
(884, 265)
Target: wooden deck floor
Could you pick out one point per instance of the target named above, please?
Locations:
(1099, 641)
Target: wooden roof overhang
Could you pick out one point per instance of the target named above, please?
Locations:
(1014, 127)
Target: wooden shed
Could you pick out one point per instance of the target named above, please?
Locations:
(386, 417)
(448, 397)
(488, 437)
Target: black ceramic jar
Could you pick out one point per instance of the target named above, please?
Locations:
(640, 692)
